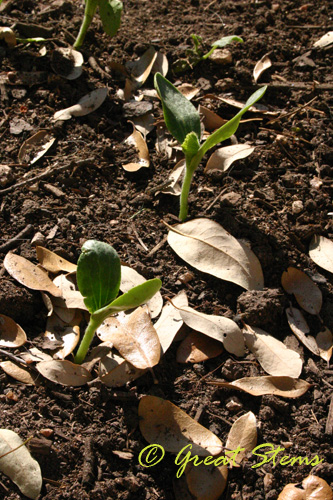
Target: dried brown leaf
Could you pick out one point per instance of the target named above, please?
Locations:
(70, 57)
(243, 433)
(52, 262)
(174, 188)
(324, 341)
(60, 332)
(223, 158)
(36, 146)
(206, 482)
(161, 64)
(18, 372)
(137, 140)
(207, 246)
(261, 66)
(64, 372)
(29, 275)
(164, 423)
(170, 321)
(134, 336)
(188, 90)
(140, 69)
(286, 387)
(300, 328)
(306, 292)
(89, 103)
(11, 334)
(321, 252)
(325, 40)
(197, 347)
(274, 357)
(313, 488)
(211, 120)
(115, 371)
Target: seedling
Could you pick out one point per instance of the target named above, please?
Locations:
(196, 55)
(183, 122)
(98, 279)
(110, 12)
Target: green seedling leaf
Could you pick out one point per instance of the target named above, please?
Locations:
(191, 144)
(110, 12)
(219, 44)
(229, 128)
(180, 115)
(98, 274)
(136, 296)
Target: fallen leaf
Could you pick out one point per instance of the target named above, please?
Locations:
(18, 125)
(71, 297)
(64, 372)
(170, 321)
(223, 158)
(18, 372)
(188, 90)
(206, 482)
(261, 66)
(65, 314)
(324, 341)
(35, 147)
(325, 40)
(243, 433)
(131, 278)
(256, 108)
(35, 354)
(8, 35)
(60, 332)
(286, 387)
(321, 252)
(134, 336)
(164, 423)
(115, 371)
(274, 357)
(136, 140)
(19, 465)
(67, 62)
(140, 69)
(211, 120)
(217, 327)
(144, 124)
(207, 246)
(197, 347)
(29, 275)
(53, 262)
(306, 292)
(11, 334)
(89, 103)
(300, 328)
(313, 488)
(163, 140)
(161, 64)
(175, 179)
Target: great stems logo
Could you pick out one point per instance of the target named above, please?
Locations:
(153, 454)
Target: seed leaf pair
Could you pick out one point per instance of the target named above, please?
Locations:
(183, 121)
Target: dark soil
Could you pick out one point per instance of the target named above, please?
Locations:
(95, 198)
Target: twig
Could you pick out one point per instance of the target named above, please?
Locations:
(293, 112)
(138, 237)
(299, 85)
(15, 241)
(14, 358)
(95, 66)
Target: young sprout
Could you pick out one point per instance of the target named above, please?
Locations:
(98, 279)
(110, 12)
(195, 55)
(183, 122)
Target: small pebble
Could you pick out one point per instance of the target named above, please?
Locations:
(6, 175)
(297, 207)
(221, 56)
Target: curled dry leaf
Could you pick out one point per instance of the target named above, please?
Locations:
(300, 328)
(11, 334)
(64, 372)
(274, 357)
(134, 336)
(211, 120)
(136, 140)
(188, 90)
(243, 433)
(144, 124)
(313, 488)
(19, 465)
(53, 262)
(306, 292)
(115, 371)
(207, 246)
(89, 103)
(18, 372)
(164, 423)
(71, 297)
(170, 321)
(35, 147)
(223, 158)
(197, 347)
(217, 327)
(60, 332)
(35, 354)
(140, 69)
(8, 35)
(161, 64)
(321, 252)
(286, 387)
(206, 482)
(67, 62)
(325, 40)
(131, 278)
(29, 275)
(324, 341)
(174, 180)
(164, 140)
(261, 66)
